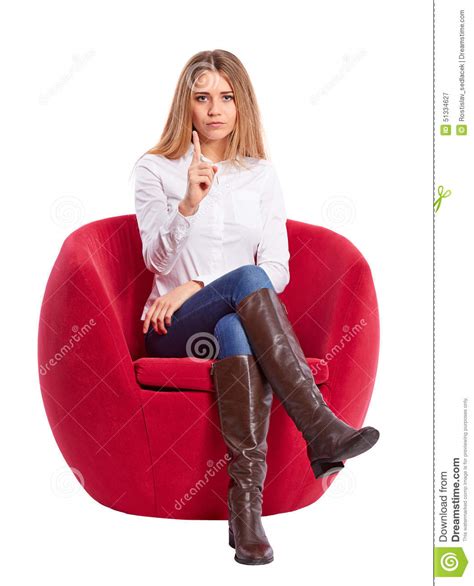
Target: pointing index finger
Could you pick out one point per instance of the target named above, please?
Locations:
(197, 146)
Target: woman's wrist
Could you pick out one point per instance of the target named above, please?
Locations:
(186, 209)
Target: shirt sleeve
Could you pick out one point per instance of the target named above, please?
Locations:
(163, 233)
(273, 253)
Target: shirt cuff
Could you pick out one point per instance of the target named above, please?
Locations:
(179, 226)
(189, 219)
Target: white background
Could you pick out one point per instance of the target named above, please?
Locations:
(454, 272)
(345, 90)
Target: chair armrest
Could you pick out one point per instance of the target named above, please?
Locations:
(91, 397)
(332, 305)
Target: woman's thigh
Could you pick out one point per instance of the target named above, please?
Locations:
(192, 325)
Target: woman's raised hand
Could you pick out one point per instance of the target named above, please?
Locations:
(200, 176)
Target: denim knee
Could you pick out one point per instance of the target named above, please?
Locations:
(252, 277)
(231, 337)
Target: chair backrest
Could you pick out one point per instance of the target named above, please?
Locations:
(109, 252)
(107, 255)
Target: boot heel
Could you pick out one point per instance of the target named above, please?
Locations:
(231, 538)
(323, 469)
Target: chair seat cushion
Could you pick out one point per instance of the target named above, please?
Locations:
(189, 373)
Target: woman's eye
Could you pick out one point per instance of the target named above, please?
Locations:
(229, 96)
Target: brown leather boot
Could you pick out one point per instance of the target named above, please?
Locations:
(244, 400)
(281, 358)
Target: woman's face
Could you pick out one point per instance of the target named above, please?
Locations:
(212, 100)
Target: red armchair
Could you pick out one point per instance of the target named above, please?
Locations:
(143, 433)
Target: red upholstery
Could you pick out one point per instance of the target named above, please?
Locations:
(143, 433)
(191, 373)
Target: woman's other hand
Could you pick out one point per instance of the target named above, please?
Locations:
(163, 307)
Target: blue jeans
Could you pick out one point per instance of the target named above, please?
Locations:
(206, 325)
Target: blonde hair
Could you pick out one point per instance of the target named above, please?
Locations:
(246, 138)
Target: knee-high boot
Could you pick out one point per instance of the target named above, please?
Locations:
(280, 356)
(244, 400)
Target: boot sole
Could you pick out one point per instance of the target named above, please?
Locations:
(246, 561)
(363, 443)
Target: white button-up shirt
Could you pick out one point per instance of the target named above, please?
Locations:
(242, 220)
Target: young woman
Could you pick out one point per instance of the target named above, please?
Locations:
(212, 220)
